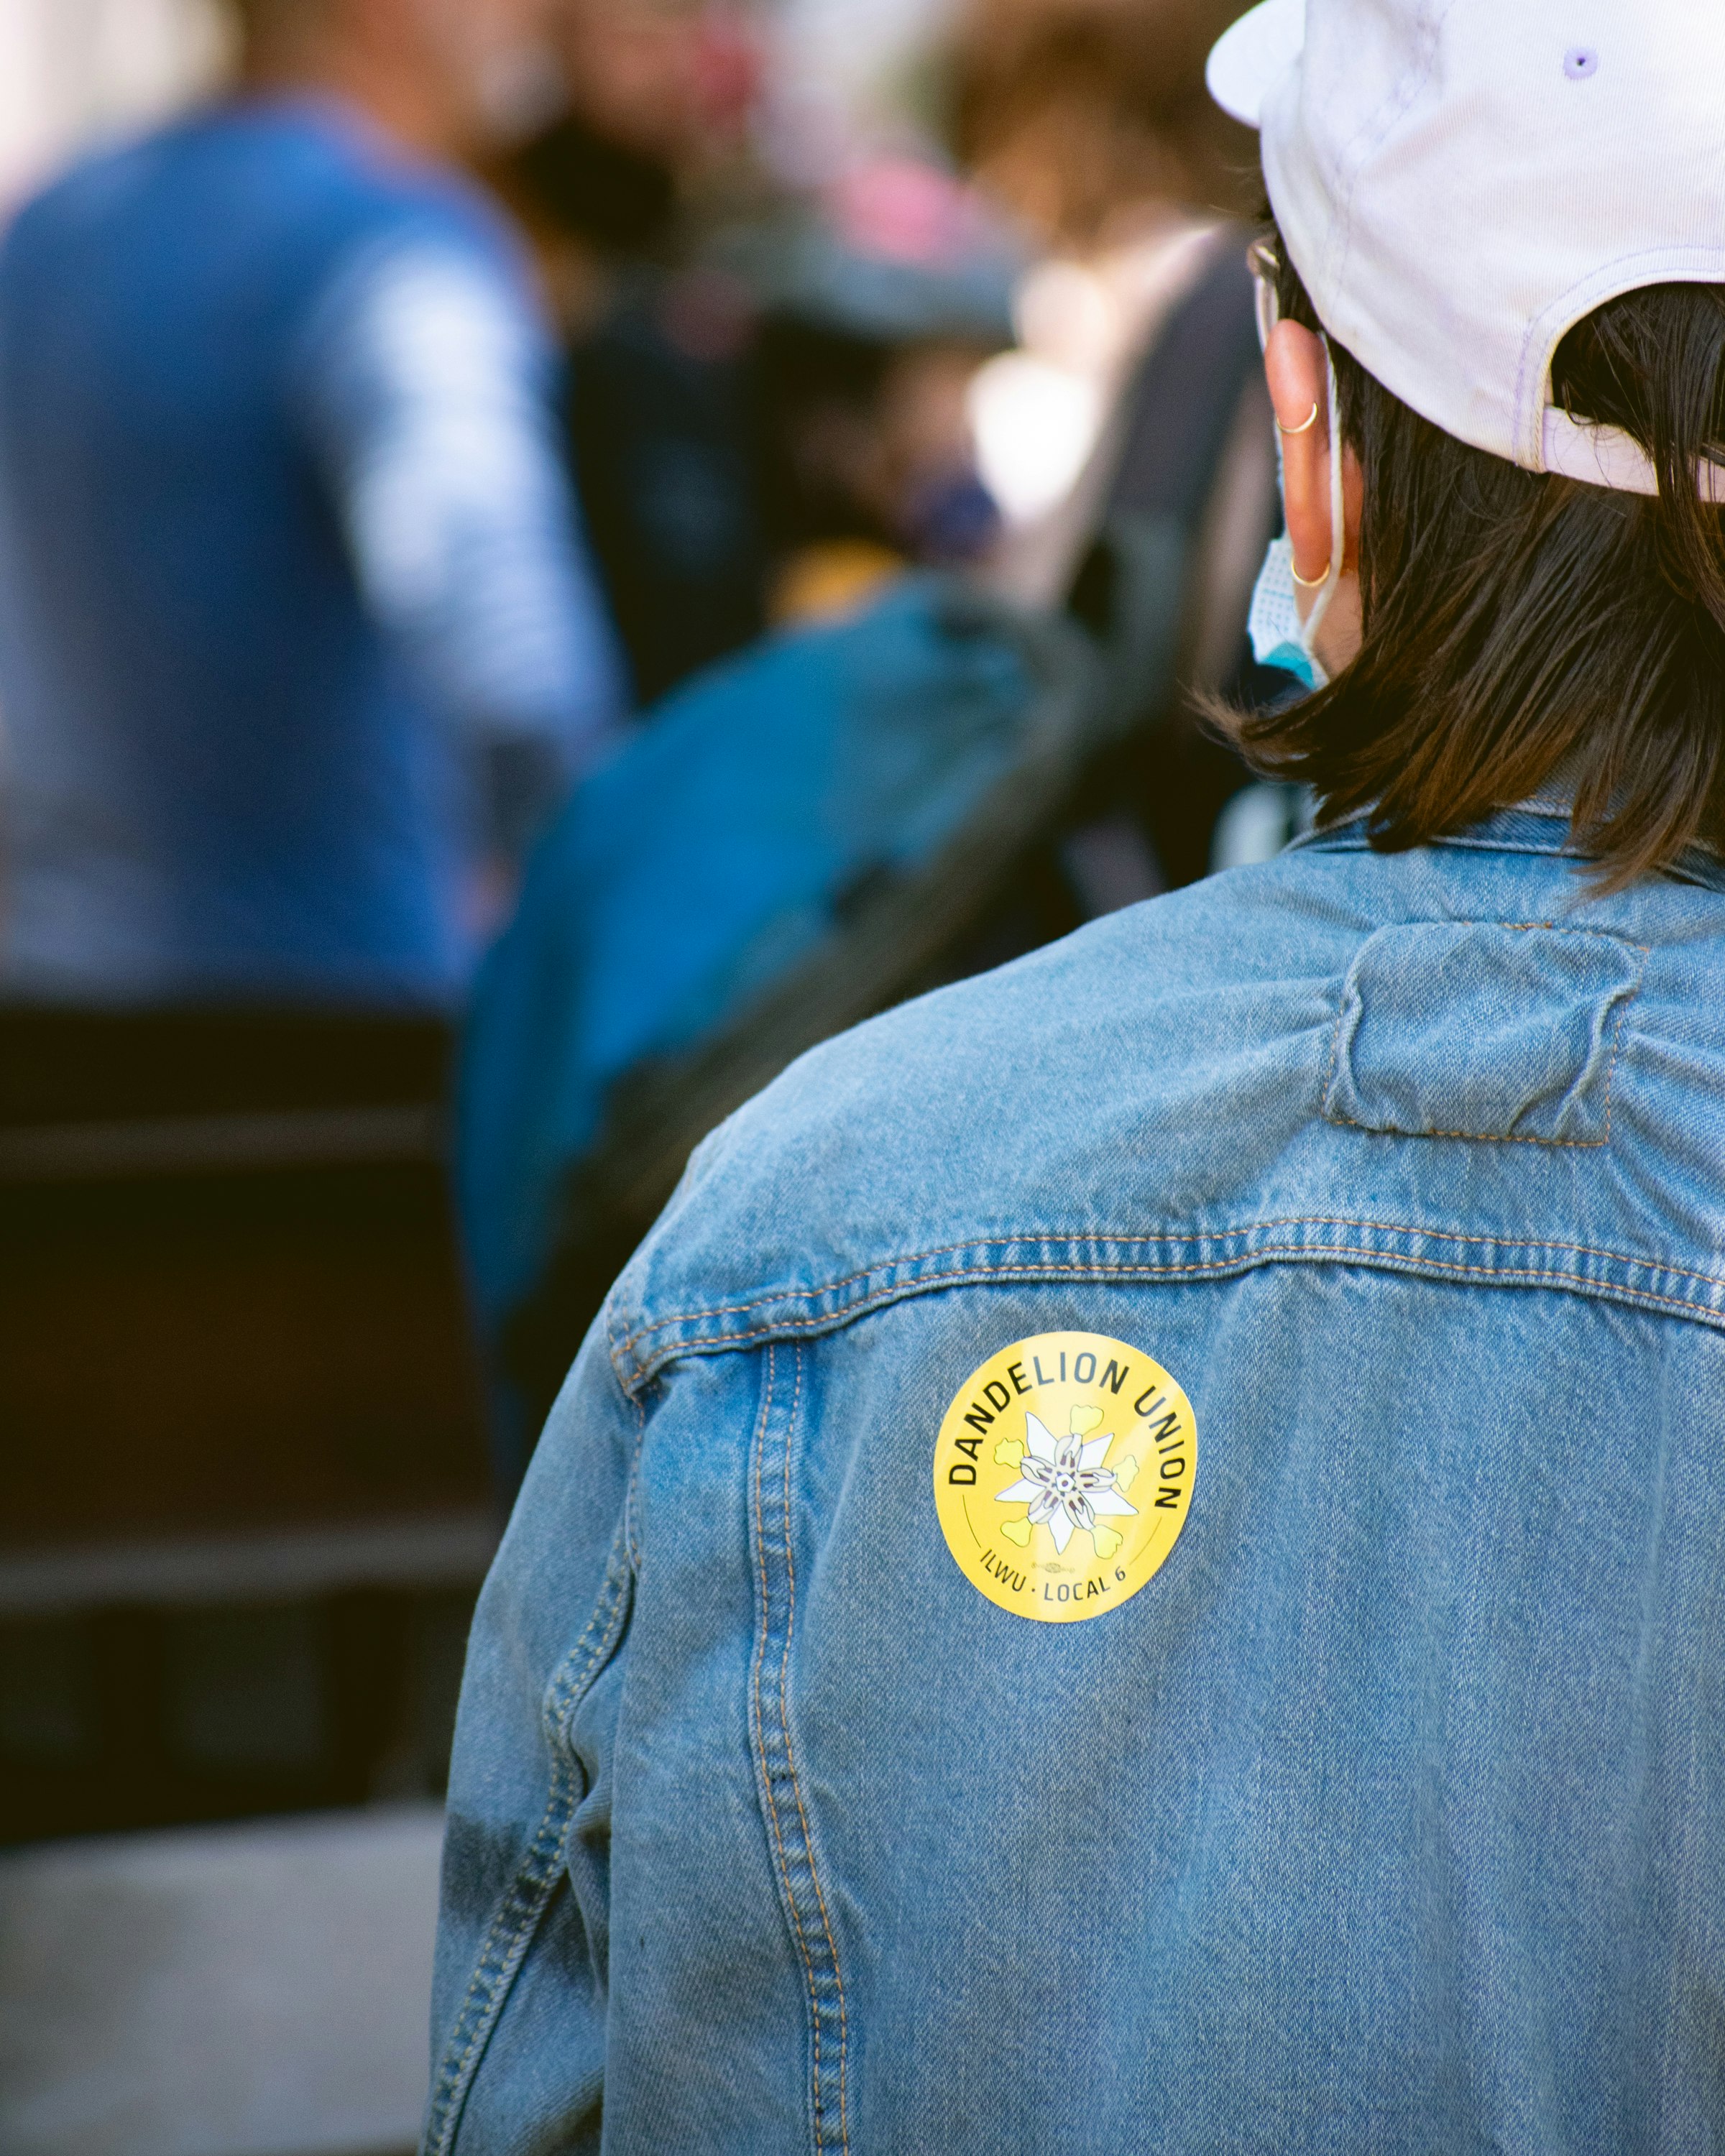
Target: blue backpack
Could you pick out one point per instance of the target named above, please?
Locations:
(732, 844)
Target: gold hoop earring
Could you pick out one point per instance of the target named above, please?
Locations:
(1311, 583)
(1305, 426)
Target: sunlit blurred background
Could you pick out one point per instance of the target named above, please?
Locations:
(553, 553)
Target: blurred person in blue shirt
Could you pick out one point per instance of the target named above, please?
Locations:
(299, 643)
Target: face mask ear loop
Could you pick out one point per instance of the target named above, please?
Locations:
(1333, 578)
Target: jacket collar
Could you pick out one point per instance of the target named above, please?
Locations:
(1540, 825)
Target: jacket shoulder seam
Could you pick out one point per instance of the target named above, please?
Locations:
(641, 1352)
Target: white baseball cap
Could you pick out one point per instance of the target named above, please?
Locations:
(1459, 182)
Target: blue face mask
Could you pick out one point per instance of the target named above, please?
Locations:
(1279, 637)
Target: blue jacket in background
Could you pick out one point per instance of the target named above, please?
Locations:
(700, 865)
(219, 773)
(1389, 1814)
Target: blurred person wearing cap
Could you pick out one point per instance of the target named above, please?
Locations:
(882, 297)
(1139, 1562)
(298, 643)
(768, 392)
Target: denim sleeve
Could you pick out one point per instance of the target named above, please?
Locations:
(524, 1937)
(424, 382)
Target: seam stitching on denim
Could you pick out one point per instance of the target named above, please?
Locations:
(629, 1513)
(616, 1343)
(1052, 1265)
(784, 1714)
(524, 1900)
(757, 1716)
(1238, 1261)
(1333, 1115)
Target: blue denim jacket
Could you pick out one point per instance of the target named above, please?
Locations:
(1389, 1814)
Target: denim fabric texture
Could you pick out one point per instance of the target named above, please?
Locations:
(1389, 1815)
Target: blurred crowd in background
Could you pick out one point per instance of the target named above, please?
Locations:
(552, 554)
(834, 292)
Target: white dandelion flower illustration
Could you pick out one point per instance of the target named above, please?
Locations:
(1064, 1482)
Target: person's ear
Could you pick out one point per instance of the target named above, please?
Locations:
(1299, 389)
(1296, 370)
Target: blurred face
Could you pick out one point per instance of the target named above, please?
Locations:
(445, 67)
(660, 76)
(439, 75)
(476, 47)
(907, 453)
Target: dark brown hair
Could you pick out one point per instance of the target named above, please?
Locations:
(1522, 628)
(1078, 113)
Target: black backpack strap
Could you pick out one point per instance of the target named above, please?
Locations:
(1182, 404)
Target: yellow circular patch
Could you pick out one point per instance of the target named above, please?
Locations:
(1063, 1474)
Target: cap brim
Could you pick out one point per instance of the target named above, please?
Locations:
(1252, 57)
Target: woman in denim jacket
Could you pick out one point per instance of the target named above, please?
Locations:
(1139, 1562)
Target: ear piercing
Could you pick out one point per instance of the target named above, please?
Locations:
(1307, 584)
